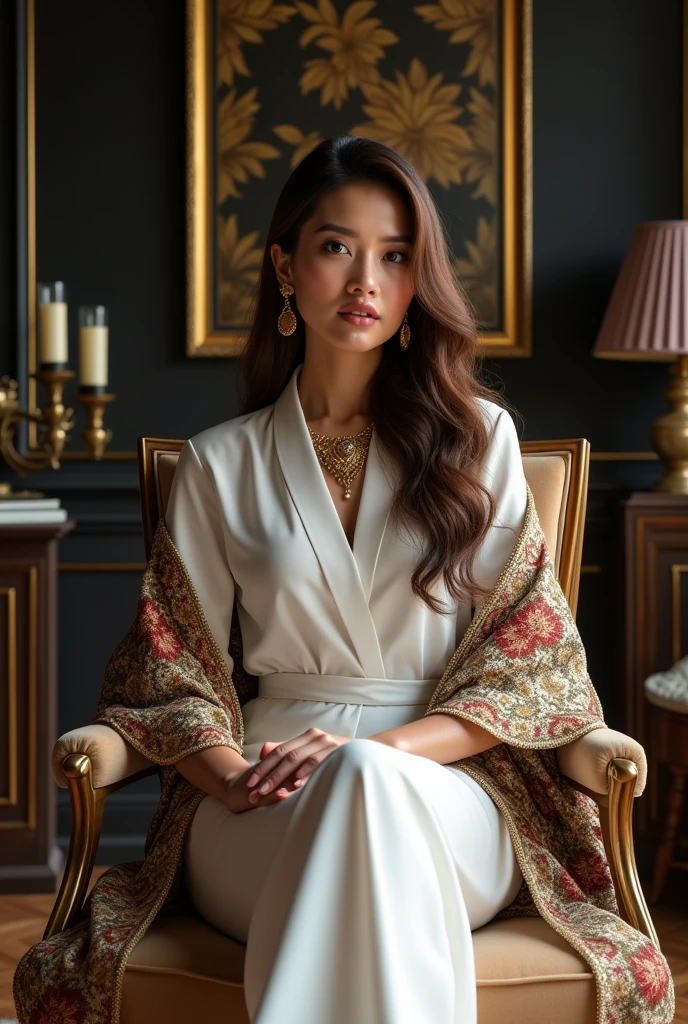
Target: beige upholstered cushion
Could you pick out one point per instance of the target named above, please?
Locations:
(525, 972)
(586, 760)
(164, 465)
(549, 477)
(112, 758)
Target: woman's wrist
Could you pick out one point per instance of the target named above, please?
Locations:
(209, 769)
(234, 773)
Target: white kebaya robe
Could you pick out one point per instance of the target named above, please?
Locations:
(359, 891)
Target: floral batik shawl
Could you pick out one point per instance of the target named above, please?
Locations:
(519, 672)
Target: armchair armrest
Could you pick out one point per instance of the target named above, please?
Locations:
(612, 769)
(586, 761)
(91, 762)
(112, 758)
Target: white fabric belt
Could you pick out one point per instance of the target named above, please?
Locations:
(346, 689)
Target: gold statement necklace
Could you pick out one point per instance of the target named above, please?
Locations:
(343, 456)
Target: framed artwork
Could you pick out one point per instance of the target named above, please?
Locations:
(446, 84)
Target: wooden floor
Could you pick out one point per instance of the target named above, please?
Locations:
(22, 920)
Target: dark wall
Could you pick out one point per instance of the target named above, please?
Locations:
(110, 183)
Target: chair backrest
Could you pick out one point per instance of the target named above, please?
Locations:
(557, 472)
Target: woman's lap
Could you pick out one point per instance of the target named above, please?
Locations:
(228, 855)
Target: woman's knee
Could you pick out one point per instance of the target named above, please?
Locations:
(360, 755)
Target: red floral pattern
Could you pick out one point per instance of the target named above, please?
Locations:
(536, 554)
(590, 869)
(151, 628)
(59, 1006)
(534, 626)
(651, 973)
(603, 947)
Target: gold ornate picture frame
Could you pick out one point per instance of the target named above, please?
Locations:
(370, 67)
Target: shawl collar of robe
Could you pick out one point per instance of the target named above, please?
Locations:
(349, 573)
(519, 671)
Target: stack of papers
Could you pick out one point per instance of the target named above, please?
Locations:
(27, 511)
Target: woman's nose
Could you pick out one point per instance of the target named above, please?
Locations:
(365, 275)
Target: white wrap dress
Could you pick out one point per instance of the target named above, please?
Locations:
(357, 894)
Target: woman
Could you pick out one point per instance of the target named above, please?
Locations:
(350, 644)
(406, 660)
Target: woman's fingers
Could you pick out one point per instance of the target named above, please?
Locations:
(287, 751)
(255, 799)
(302, 759)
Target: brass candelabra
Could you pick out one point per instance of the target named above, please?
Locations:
(54, 422)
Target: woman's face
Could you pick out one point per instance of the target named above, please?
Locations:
(351, 269)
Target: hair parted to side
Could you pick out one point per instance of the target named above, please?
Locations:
(424, 401)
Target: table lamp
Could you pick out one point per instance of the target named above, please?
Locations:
(647, 318)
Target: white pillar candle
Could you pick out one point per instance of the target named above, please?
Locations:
(93, 356)
(93, 347)
(52, 333)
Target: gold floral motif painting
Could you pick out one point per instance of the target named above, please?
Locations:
(446, 84)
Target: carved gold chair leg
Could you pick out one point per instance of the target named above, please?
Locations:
(87, 806)
(617, 825)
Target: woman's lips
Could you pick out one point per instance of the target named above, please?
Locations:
(358, 319)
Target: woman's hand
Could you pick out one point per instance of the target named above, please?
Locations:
(291, 763)
(236, 795)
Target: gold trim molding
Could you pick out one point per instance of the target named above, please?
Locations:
(676, 572)
(32, 701)
(101, 566)
(516, 142)
(10, 595)
(624, 457)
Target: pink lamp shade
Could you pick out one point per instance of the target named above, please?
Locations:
(647, 315)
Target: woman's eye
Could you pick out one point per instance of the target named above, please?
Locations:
(338, 251)
(397, 252)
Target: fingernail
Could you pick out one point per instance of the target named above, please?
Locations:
(265, 788)
(253, 797)
(252, 779)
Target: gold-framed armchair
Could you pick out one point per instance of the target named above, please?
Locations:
(525, 971)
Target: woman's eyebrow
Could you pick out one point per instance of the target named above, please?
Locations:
(354, 234)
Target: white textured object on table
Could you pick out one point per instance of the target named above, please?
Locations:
(670, 689)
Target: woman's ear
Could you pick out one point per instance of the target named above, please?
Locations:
(281, 261)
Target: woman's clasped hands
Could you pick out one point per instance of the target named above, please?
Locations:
(283, 769)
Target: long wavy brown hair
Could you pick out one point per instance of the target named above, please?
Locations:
(424, 400)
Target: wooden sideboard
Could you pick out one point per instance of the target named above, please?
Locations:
(655, 628)
(30, 860)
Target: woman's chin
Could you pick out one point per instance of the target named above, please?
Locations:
(361, 340)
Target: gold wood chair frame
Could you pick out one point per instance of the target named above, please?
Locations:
(88, 803)
(149, 448)
(578, 452)
(616, 805)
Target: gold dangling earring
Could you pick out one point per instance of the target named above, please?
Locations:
(286, 322)
(405, 333)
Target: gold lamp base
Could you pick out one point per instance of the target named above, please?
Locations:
(669, 434)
